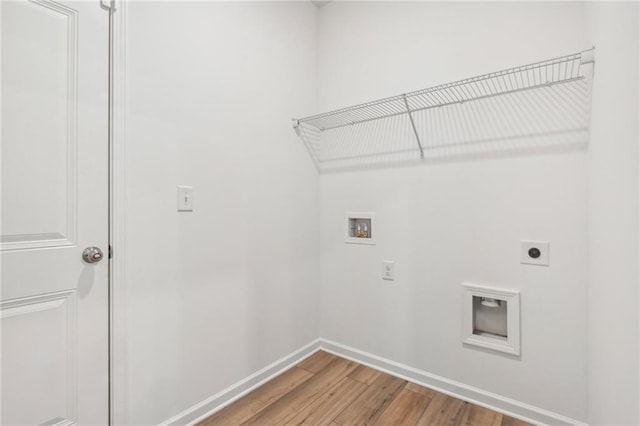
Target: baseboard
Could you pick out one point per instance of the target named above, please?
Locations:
(209, 406)
(499, 403)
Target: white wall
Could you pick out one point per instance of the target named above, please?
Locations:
(217, 294)
(613, 217)
(450, 222)
(214, 295)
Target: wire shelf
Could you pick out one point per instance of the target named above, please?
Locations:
(544, 103)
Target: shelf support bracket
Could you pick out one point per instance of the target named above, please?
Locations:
(296, 127)
(413, 125)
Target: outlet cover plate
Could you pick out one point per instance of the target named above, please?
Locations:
(185, 198)
(388, 270)
(542, 246)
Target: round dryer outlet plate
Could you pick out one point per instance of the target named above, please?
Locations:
(534, 252)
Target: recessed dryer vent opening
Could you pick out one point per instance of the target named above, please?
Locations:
(491, 318)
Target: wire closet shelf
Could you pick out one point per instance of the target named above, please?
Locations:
(456, 113)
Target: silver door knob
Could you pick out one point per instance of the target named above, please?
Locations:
(92, 255)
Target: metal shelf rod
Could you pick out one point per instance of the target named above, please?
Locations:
(413, 126)
(471, 99)
(529, 67)
(545, 102)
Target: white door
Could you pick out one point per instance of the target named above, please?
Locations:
(54, 305)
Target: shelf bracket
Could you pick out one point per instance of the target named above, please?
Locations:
(296, 127)
(413, 125)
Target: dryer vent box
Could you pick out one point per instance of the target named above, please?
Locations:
(491, 318)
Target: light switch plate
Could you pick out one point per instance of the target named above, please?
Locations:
(185, 198)
(388, 270)
(530, 249)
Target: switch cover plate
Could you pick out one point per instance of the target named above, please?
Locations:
(534, 252)
(185, 198)
(388, 270)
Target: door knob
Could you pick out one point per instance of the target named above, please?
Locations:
(92, 255)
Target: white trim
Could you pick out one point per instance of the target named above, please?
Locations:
(117, 301)
(30, 304)
(492, 401)
(511, 344)
(211, 405)
(34, 241)
(358, 240)
(58, 421)
(495, 402)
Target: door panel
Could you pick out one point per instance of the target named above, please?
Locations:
(32, 326)
(39, 80)
(54, 306)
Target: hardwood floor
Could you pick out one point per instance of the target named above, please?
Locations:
(328, 390)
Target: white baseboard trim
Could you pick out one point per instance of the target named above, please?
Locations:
(209, 406)
(499, 403)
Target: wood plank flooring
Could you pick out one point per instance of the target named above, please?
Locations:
(328, 390)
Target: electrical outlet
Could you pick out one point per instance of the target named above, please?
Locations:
(185, 198)
(388, 270)
(534, 252)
